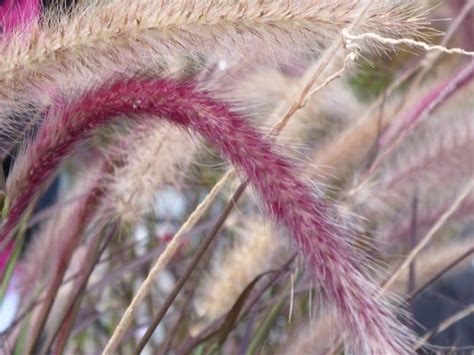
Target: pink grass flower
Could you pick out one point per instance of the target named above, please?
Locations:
(427, 104)
(18, 13)
(337, 267)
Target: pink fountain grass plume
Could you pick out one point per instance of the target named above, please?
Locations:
(18, 13)
(370, 326)
(411, 117)
(444, 157)
(436, 153)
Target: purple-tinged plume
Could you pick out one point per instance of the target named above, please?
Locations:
(336, 265)
(17, 13)
(428, 104)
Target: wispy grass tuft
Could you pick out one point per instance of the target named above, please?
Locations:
(122, 36)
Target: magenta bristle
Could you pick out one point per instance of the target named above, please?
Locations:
(15, 14)
(369, 324)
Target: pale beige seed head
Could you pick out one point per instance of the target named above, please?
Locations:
(255, 250)
(154, 157)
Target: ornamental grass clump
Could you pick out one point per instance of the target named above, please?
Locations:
(134, 101)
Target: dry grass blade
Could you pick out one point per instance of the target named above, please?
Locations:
(161, 263)
(466, 312)
(390, 41)
(429, 236)
(451, 265)
(199, 253)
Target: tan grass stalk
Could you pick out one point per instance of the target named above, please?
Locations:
(428, 237)
(255, 251)
(466, 312)
(417, 249)
(350, 148)
(430, 262)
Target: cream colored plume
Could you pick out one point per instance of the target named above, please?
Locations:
(256, 249)
(127, 37)
(272, 91)
(155, 156)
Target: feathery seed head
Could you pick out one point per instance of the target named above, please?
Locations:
(156, 155)
(370, 325)
(254, 251)
(17, 13)
(121, 36)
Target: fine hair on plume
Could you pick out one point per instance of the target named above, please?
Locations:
(335, 264)
(120, 99)
(99, 38)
